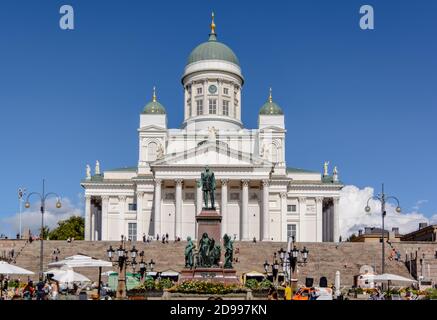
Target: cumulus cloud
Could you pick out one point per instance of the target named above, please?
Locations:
(353, 217)
(31, 218)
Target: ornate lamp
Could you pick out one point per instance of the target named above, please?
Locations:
(110, 252)
(281, 254)
(133, 252)
(151, 264)
(305, 254)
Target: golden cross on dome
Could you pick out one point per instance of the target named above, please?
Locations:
(270, 96)
(212, 24)
(154, 94)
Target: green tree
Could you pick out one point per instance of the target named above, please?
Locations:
(45, 232)
(352, 237)
(74, 227)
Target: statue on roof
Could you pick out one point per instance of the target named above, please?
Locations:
(325, 168)
(88, 172)
(335, 173)
(212, 134)
(97, 169)
(160, 152)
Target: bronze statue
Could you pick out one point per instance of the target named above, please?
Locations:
(204, 244)
(189, 261)
(229, 251)
(207, 182)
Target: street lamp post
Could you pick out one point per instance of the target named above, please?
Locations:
(43, 197)
(123, 261)
(21, 194)
(383, 198)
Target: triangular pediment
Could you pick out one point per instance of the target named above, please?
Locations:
(212, 154)
(152, 127)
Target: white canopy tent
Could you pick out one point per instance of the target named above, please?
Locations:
(6, 268)
(391, 277)
(69, 276)
(83, 261)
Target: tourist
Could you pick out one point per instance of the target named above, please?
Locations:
(68, 240)
(157, 237)
(254, 240)
(270, 293)
(55, 291)
(313, 294)
(166, 235)
(144, 237)
(288, 292)
(163, 239)
(40, 290)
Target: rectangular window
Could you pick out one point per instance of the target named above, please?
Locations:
(212, 106)
(190, 113)
(291, 208)
(235, 196)
(199, 107)
(291, 231)
(226, 91)
(199, 90)
(189, 196)
(132, 207)
(225, 108)
(132, 231)
(169, 196)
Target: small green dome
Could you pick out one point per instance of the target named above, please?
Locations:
(154, 107)
(213, 50)
(271, 108)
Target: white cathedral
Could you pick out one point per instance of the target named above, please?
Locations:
(257, 195)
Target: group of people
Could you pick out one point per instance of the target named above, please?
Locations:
(43, 290)
(55, 254)
(394, 255)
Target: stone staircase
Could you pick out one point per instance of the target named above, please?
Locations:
(324, 259)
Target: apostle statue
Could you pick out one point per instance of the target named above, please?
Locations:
(335, 174)
(88, 172)
(97, 169)
(325, 168)
(207, 181)
(212, 134)
(160, 152)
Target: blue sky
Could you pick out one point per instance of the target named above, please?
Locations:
(365, 100)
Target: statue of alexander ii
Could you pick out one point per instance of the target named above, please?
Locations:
(207, 182)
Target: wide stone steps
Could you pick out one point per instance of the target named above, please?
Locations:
(324, 259)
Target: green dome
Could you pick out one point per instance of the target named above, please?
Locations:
(154, 107)
(271, 108)
(212, 50)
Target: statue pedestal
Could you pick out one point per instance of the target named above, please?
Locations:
(209, 221)
(209, 274)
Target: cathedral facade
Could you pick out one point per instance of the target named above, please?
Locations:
(257, 195)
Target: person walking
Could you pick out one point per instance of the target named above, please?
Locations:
(288, 292)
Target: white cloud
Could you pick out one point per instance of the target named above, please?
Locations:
(419, 204)
(353, 217)
(31, 218)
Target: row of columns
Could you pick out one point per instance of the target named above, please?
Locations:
(90, 216)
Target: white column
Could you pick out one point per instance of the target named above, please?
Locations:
(157, 219)
(244, 212)
(178, 218)
(283, 234)
(121, 222)
(224, 207)
(105, 218)
(265, 212)
(302, 223)
(87, 217)
(319, 219)
(336, 219)
(140, 216)
(93, 223)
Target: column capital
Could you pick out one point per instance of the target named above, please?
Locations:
(122, 198)
(245, 182)
(225, 182)
(158, 181)
(336, 200)
(283, 195)
(319, 200)
(266, 182)
(140, 193)
(302, 199)
(179, 182)
(87, 197)
(105, 197)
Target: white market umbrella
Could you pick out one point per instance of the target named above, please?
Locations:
(81, 261)
(69, 276)
(391, 277)
(6, 268)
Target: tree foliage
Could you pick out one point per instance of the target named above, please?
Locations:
(74, 227)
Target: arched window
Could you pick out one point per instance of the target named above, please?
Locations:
(151, 151)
